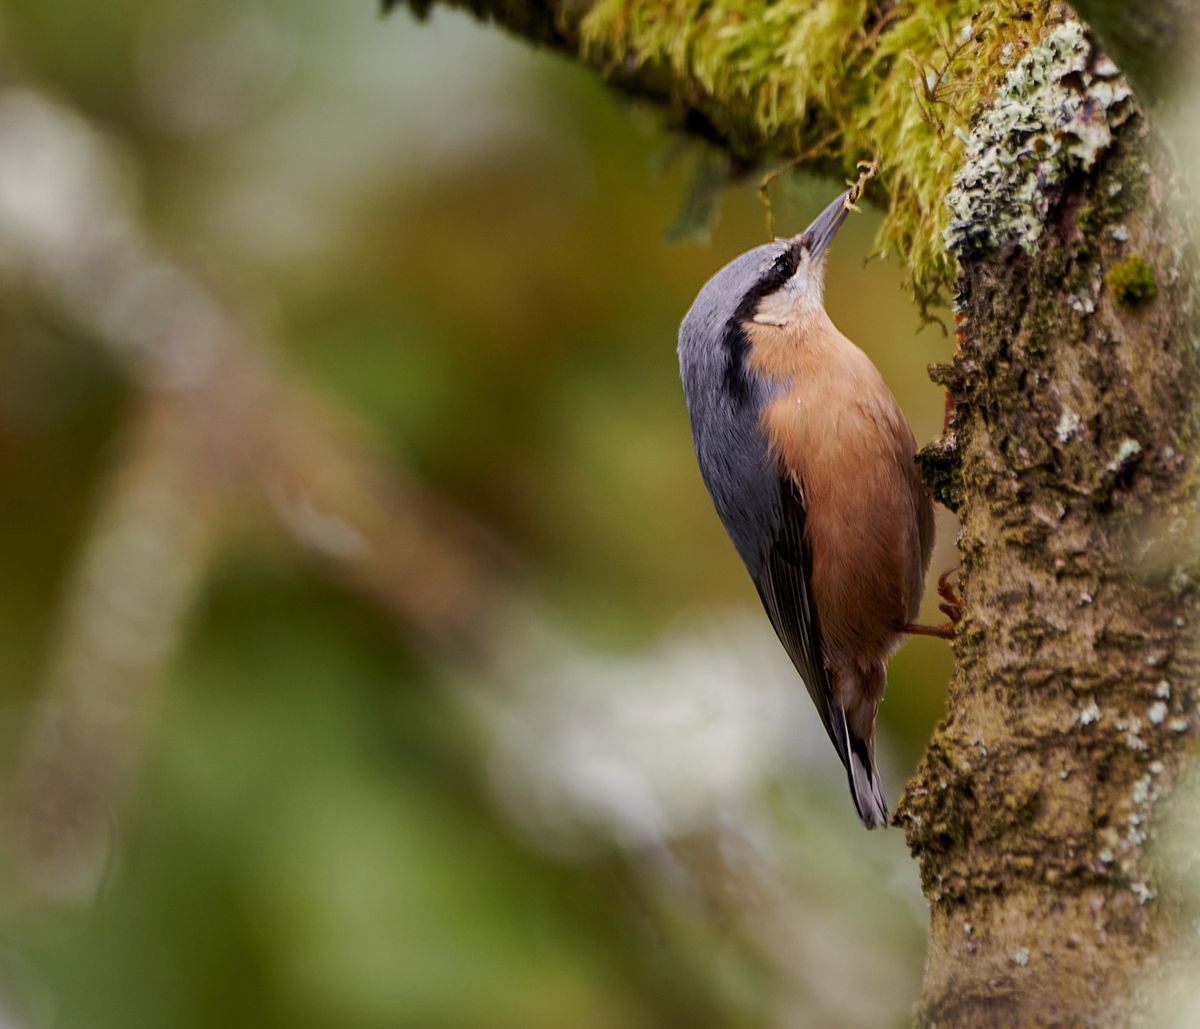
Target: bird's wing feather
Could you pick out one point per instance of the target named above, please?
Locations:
(784, 586)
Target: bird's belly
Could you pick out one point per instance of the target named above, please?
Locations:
(861, 498)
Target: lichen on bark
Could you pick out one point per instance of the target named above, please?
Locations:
(1054, 114)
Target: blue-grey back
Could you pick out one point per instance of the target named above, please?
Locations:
(740, 474)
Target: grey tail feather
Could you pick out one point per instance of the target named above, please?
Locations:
(865, 787)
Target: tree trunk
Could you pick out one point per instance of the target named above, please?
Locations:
(1022, 176)
(1071, 709)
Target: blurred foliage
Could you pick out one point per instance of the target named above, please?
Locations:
(461, 245)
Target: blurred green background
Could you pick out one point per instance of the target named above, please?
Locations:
(468, 717)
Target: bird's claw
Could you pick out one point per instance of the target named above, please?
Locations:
(952, 606)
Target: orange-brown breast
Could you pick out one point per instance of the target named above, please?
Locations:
(838, 431)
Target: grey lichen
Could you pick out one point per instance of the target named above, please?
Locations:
(1142, 892)
(1127, 451)
(1051, 115)
(1069, 424)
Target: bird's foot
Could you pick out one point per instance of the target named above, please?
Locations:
(942, 632)
(951, 605)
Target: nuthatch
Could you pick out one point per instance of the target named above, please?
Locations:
(809, 462)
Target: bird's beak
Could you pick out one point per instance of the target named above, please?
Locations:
(817, 237)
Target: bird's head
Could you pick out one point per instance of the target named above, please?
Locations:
(777, 283)
(792, 287)
(780, 283)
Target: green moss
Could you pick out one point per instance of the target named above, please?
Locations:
(941, 470)
(1132, 281)
(1122, 188)
(828, 77)
(1091, 219)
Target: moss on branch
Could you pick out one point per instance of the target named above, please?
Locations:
(827, 81)
(840, 80)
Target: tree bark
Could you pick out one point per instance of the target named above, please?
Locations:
(1153, 41)
(1021, 173)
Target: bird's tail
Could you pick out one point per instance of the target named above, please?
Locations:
(854, 728)
(862, 773)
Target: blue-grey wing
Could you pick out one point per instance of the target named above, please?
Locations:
(784, 585)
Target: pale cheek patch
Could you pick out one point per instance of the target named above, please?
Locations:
(799, 296)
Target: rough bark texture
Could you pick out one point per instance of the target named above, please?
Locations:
(1072, 711)
(1152, 40)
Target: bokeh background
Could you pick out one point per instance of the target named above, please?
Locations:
(370, 654)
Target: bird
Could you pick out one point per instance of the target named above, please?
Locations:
(810, 464)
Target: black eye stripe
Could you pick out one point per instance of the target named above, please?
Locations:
(737, 346)
(777, 273)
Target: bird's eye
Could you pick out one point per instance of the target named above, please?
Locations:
(785, 265)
